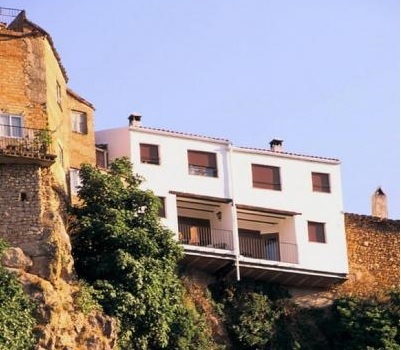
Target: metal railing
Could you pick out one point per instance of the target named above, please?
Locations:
(202, 171)
(7, 15)
(261, 248)
(205, 237)
(26, 142)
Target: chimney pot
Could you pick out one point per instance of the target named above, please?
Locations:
(379, 204)
(276, 145)
(134, 120)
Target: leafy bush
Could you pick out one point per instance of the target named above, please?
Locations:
(366, 324)
(16, 313)
(129, 258)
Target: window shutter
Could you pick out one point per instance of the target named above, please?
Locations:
(320, 182)
(202, 159)
(316, 232)
(264, 176)
(149, 153)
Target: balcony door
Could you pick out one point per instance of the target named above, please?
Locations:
(194, 231)
(272, 247)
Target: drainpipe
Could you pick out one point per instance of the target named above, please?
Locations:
(233, 211)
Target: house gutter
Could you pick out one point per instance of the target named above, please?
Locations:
(233, 211)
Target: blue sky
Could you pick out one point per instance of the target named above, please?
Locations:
(322, 75)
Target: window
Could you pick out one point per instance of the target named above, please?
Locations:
(149, 153)
(75, 180)
(61, 154)
(10, 125)
(316, 232)
(58, 93)
(162, 208)
(264, 176)
(202, 163)
(321, 182)
(79, 122)
(102, 160)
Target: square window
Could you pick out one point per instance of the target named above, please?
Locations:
(265, 176)
(316, 232)
(11, 125)
(79, 122)
(202, 163)
(321, 182)
(149, 153)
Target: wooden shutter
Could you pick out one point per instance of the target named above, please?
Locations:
(264, 176)
(202, 159)
(316, 232)
(321, 182)
(149, 153)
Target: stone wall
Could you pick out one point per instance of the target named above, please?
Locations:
(373, 246)
(33, 220)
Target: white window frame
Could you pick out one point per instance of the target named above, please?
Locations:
(8, 127)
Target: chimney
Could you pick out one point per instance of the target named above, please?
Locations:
(276, 145)
(379, 204)
(134, 120)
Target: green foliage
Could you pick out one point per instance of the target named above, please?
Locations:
(16, 313)
(86, 298)
(252, 310)
(366, 324)
(128, 257)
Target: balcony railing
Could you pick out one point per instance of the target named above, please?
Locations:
(261, 248)
(205, 237)
(25, 142)
(202, 171)
(7, 15)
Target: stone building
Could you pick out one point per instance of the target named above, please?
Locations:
(46, 132)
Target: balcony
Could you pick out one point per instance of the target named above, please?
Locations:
(24, 145)
(205, 237)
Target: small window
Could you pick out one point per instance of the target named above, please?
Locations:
(11, 125)
(316, 232)
(149, 153)
(61, 154)
(58, 93)
(75, 181)
(202, 163)
(264, 176)
(321, 182)
(162, 208)
(102, 159)
(79, 122)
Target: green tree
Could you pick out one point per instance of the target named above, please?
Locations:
(366, 323)
(16, 312)
(123, 251)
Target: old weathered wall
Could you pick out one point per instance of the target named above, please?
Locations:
(33, 221)
(373, 246)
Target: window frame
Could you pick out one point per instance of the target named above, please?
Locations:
(14, 131)
(202, 163)
(272, 184)
(149, 147)
(75, 180)
(317, 232)
(79, 122)
(58, 93)
(321, 182)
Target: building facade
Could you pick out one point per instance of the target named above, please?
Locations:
(41, 119)
(262, 214)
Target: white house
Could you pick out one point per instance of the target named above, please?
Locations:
(262, 214)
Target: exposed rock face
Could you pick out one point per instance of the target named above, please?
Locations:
(41, 257)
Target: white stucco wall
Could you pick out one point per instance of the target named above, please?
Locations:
(234, 182)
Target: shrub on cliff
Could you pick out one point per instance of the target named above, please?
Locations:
(16, 312)
(123, 251)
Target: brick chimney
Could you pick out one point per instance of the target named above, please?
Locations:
(134, 120)
(379, 204)
(276, 145)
